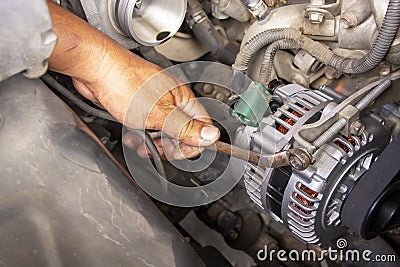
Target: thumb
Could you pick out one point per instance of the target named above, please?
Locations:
(189, 130)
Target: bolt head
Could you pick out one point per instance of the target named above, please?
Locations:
(299, 160)
(331, 73)
(270, 3)
(295, 162)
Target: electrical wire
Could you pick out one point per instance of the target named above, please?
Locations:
(107, 116)
(76, 100)
(153, 150)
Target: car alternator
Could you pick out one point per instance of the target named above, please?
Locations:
(308, 202)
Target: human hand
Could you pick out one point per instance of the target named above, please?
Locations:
(111, 76)
(176, 112)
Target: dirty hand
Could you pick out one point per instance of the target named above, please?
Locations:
(111, 76)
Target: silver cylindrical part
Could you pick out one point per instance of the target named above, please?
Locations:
(149, 22)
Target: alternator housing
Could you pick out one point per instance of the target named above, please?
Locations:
(308, 202)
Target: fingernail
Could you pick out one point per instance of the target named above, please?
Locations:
(209, 133)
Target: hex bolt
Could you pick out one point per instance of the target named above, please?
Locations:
(220, 97)
(295, 162)
(104, 140)
(331, 73)
(330, 133)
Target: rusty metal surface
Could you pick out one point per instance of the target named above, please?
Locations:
(296, 158)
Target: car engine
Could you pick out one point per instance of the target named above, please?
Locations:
(320, 76)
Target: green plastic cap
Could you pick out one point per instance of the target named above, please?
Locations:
(253, 105)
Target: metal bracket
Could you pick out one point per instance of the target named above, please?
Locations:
(351, 115)
(320, 18)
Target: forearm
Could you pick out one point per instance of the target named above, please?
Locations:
(77, 41)
(85, 53)
(92, 58)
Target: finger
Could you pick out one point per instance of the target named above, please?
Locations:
(186, 101)
(170, 150)
(184, 151)
(134, 142)
(177, 151)
(190, 131)
(131, 140)
(143, 151)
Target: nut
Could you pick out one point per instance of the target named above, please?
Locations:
(299, 159)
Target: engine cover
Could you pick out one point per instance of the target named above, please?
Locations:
(308, 202)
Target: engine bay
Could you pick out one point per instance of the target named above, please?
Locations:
(319, 76)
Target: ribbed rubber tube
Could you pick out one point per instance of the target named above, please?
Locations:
(268, 62)
(260, 40)
(380, 48)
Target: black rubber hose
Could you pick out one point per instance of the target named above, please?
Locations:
(260, 40)
(223, 49)
(76, 100)
(380, 48)
(268, 62)
(150, 54)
